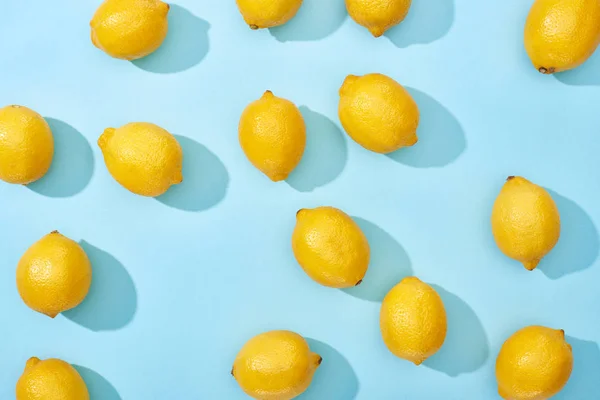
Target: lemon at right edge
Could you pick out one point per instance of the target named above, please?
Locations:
(378, 15)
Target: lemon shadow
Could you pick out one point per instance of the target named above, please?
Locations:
(441, 137)
(389, 264)
(426, 22)
(205, 179)
(586, 369)
(112, 300)
(315, 20)
(325, 155)
(584, 75)
(578, 246)
(334, 379)
(72, 165)
(466, 347)
(98, 387)
(185, 46)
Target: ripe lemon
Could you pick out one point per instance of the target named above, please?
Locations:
(144, 158)
(272, 134)
(378, 15)
(413, 320)
(50, 379)
(260, 14)
(330, 247)
(130, 29)
(535, 363)
(525, 221)
(276, 365)
(378, 113)
(26, 145)
(54, 275)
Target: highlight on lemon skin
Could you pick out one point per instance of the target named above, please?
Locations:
(50, 379)
(260, 14)
(129, 29)
(378, 15)
(26, 145)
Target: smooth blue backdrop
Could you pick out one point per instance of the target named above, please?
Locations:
(182, 281)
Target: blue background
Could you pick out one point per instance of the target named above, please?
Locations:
(182, 281)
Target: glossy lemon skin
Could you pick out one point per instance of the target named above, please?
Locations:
(26, 145)
(535, 363)
(275, 365)
(50, 379)
(378, 15)
(413, 320)
(260, 14)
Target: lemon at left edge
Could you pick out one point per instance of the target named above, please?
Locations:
(50, 379)
(54, 275)
(26, 145)
(129, 29)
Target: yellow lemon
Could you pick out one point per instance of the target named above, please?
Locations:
(562, 34)
(525, 221)
(26, 145)
(130, 29)
(413, 320)
(535, 363)
(54, 275)
(330, 247)
(378, 113)
(50, 379)
(260, 14)
(272, 134)
(378, 15)
(144, 158)
(276, 365)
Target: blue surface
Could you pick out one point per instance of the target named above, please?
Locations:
(180, 283)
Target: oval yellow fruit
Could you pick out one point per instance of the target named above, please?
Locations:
(26, 145)
(276, 365)
(562, 34)
(260, 14)
(378, 15)
(272, 134)
(330, 247)
(144, 158)
(525, 221)
(130, 29)
(535, 363)
(378, 113)
(50, 379)
(413, 320)
(54, 275)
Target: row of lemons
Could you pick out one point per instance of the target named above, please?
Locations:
(55, 274)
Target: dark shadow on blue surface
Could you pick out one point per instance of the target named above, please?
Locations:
(426, 22)
(112, 300)
(72, 166)
(389, 264)
(466, 347)
(579, 244)
(584, 382)
(334, 379)
(325, 155)
(586, 74)
(99, 388)
(441, 138)
(186, 44)
(315, 20)
(205, 179)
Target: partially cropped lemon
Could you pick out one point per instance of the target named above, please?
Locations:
(378, 113)
(378, 15)
(535, 363)
(276, 365)
(413, 320)
(330, 247)
(26, 145)
(272, 134)
(130, 29)
(144, 158)
(54, 275)
(50, 379)
(525, 221)
(260, 14)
